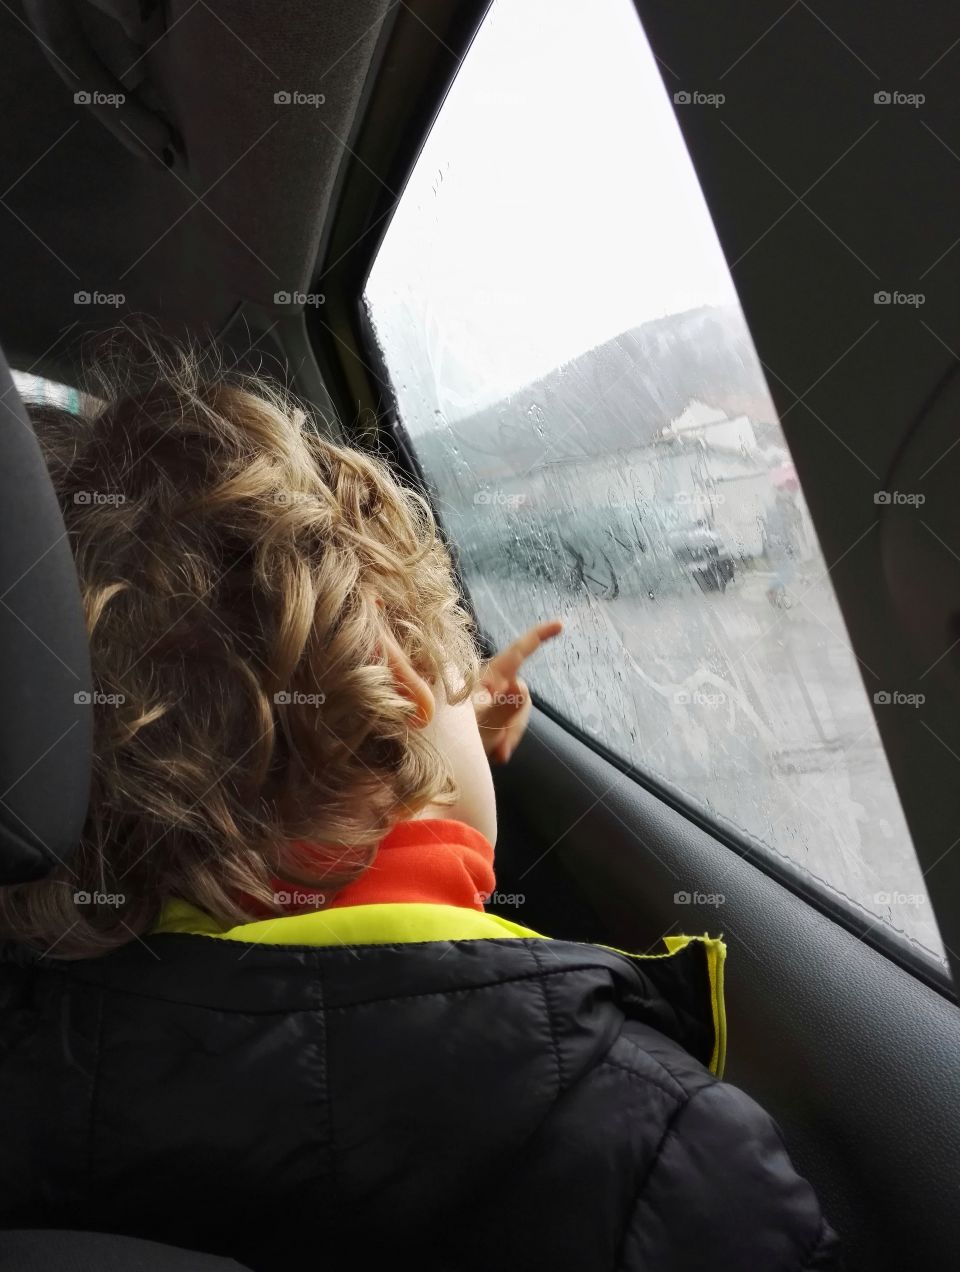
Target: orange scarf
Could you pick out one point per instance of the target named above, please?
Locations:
(434, 860)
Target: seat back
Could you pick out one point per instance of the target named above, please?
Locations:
(46, 732)
(46, 715)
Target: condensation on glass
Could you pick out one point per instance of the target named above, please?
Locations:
(571, 362)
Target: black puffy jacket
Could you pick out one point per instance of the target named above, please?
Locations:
(441, 1104)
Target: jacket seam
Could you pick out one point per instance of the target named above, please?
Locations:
(241, 1010)
(486, 1202)
(627, 1041)
(679, 1093)
(804, 1261)
(346, 947)
(323, 1053)
(551, 1022)
(538, 975)
(638, 1197)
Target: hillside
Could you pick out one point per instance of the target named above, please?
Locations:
(615, 397)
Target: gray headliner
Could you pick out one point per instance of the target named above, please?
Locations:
(80, 212)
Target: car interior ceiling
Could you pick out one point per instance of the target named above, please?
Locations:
(200, 202)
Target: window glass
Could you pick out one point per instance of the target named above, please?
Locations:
(573, 367)
(34, 388)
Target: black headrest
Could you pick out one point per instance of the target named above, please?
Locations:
(46, 716)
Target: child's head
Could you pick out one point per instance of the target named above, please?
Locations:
(271, 617)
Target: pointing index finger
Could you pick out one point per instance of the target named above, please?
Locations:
(509, 661)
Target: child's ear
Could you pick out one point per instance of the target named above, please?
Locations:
(409, 682)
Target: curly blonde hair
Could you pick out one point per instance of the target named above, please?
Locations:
(239, 575)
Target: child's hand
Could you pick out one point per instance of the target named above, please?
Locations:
(502, 702)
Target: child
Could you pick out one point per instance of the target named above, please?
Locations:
(263, 1013)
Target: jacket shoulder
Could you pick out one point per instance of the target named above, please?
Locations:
(721, 1180)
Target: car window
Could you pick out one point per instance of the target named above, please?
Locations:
(574, 370)
(34, 388)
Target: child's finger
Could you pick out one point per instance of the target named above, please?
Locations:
(508, 661)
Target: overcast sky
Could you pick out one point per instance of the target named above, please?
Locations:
(553, 207)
